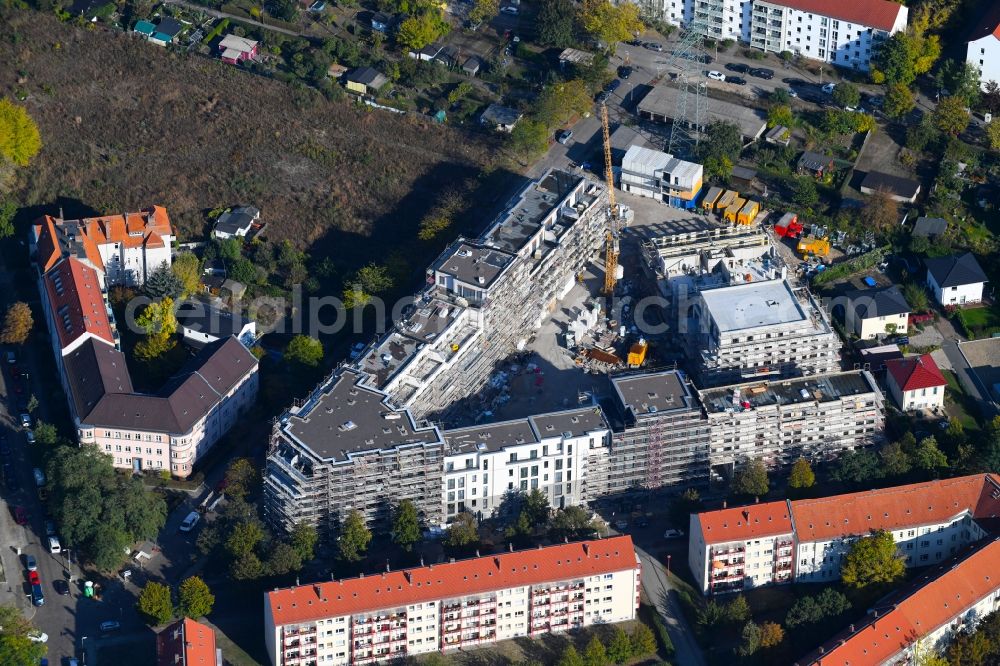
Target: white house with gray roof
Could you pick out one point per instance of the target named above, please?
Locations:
(955, 280)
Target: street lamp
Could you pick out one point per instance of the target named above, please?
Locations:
(668, 564)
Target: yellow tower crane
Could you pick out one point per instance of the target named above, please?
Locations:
(611, 240)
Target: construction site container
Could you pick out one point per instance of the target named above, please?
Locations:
(708, 203)
(726, 199)
(734, 209)
(788, 226)
(814, 247)
(748, 213)
(637, 354)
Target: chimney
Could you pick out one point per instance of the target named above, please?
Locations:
(852, 628)
(477, 552)
(421, 560)
(723, 504)
(510, 546)
(756, 500)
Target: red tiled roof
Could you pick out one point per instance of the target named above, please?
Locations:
(77, 304)
(745, 522)
(187, 643)
(915, 372)
(879, 14)
(989, 24)
(48, 247)
(927, 608)
(444, 581)
(896, 508)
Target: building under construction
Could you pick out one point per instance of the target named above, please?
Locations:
(484, 298)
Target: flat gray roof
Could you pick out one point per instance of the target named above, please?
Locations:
(819, 388)
(523, 220)
(577, 422)
(341, 417)
(651, 393)
(661, 102)
(491, 436)
(474, 264)
(753, 305)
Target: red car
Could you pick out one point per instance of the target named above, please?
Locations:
(20, 515)
(33, 578)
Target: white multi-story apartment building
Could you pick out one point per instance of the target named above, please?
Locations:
(983, 51)
(455, 605)
(759, 330)
(952, 599)
(124, 249)
(167, 430)
(930, 523)
(556, 453)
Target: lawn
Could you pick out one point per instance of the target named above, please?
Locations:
(979, 322)
(958, 404)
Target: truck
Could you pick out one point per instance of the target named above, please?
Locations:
(734, 209)
(708, 203)
(810, 246)
(748, 213)
(788, 226)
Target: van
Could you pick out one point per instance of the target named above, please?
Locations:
(189, 522)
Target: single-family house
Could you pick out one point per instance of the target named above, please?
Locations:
(502, 118)
(929, 227)
(427, 53)
(869, 313)
(983, 47)
(447, 56)
(237, 49)
(381, 22)
(236, 222)
(365, 81)
(915, 382)
(903, 190)
(166, 30)
(815, 164)
(201, 323)
(144, 28)
(956, 280)
(472, 66)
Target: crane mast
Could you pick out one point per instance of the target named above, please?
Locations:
(611, 238)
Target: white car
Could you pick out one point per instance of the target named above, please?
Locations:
(38, 637)
(828, 88)
(673, 534)
(716, 75)
(54, 547)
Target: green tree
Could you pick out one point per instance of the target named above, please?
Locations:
(928, 456)
(712, 614)
(484, 10)
(780, 114)
(993, 135)
(721, 145)
(950, 116)
(354, 537)
(159, 321)
(898, 101)
(858, 467)
(162, 283)
(806, 193)
(846, 95)
(305, 350)
(595, 654)
(46, 433)
(571, 522)
(7, 211)
(561, 100)
(750, 640)
(32, 406)
(155, 603)
(244, 538)
(247, 567)
(187, 270)
(17, 324)
(895, 461)
(620, 647)
(244, 272)
(555, 23)
(463, 531)
(961, 79)
(916, 296)
(802, 475)
(570, 657)
(406, 525)
(872, 560)
(610, 23)
(643, 641)
(737, 610)
(240, 479)
(989, 97)
(751, 479)
(16, 649)
(536, 505)
(421, 29)
(230, 249)
(771, 634)
(682, 506)
(282, 559)
(370, 280)
(195, 598)
(530, 138)
(19, 137)
(303, 540)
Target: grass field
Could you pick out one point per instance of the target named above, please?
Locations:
(126, 124)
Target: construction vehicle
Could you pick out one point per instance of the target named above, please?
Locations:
(611, 267)
(708, 203)
(788, 226)
(748, 213)
(637, 354)
(734, 209)
(726, 199)
(810, 246)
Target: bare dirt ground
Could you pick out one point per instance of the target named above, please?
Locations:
(126, 124)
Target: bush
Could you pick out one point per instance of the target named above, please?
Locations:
(216, 31)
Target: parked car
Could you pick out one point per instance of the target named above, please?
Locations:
(704, 59)
(38, 637)
(603, 97)
(30, 436)
(828, 88)
(653, 46)
(512, 11)
(716, 75)
(190, 521)
(29, 563)
(37, 596)
(673, 534)
(738, 67)
(11, 358)
(20, 515)
(39, 476)
(762, 73)
(26, 420)
(563, 136)
(33, 578)
(54, 546)
(50, 528)
(624, 72)
(621, 524)
(736, 80)
(613, 86)
(110, 625)
(60, 586)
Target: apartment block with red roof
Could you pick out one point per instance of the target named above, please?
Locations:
(187, 643)
(458, 604)
(742, 548)
(983, 50)
(949, 600)
(915, 382)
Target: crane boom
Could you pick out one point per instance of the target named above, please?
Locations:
(611, 238)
